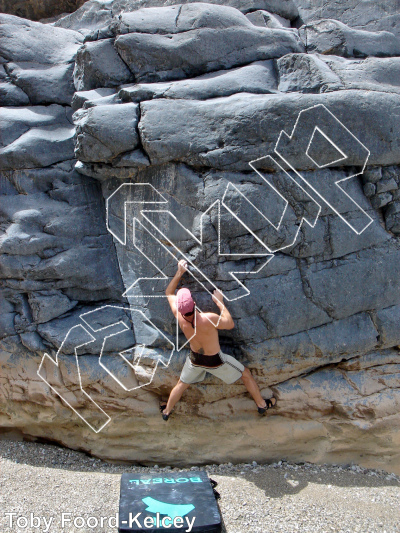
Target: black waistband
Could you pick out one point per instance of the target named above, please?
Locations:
(207, 361)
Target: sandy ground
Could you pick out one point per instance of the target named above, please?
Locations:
(43, 481)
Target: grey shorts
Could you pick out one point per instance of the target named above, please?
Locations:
(230, 371)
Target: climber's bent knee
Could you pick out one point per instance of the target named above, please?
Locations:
(246, 373)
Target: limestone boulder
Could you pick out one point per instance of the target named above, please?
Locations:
(333, 37)
(171, 104)
(99, 65)
(230, 132)
(370, 74)
(44, 84)
(259, 78)
(36, 137)
(91, 16)
(96, 14)
(46, 305)
(179, 18)
(26, 41)
(82, 97)
(35, 63)
(306, 73)
(309, 73)
(160, 57)
(267, 20)
(10, 95)
(367, 15)
(96, 141)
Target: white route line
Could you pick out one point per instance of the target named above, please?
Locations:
(268, 251)
(136, 221)
(303, 219)
(162, 201)
(344, 156)
(271, 256)
(113, 324)
(290, 137)
(230, 184)
(199, 241)
(47, 356)
(126, 329)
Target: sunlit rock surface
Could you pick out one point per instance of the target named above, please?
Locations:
(151, 117)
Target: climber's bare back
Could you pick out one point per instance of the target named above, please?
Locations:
(206, 339)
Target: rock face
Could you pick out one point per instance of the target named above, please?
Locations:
(259, 77)
(366, 15)
(193, 39)
(334, 37)
(127, 143)
(96, 142)
(217, 133)
(34, 64)
(94, 15)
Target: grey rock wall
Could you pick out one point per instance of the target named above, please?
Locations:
(170, 105)
(95, 15)
(368, 15)
(34, 64)
(334, 37)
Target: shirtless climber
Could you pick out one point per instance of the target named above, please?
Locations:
(205, 352)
